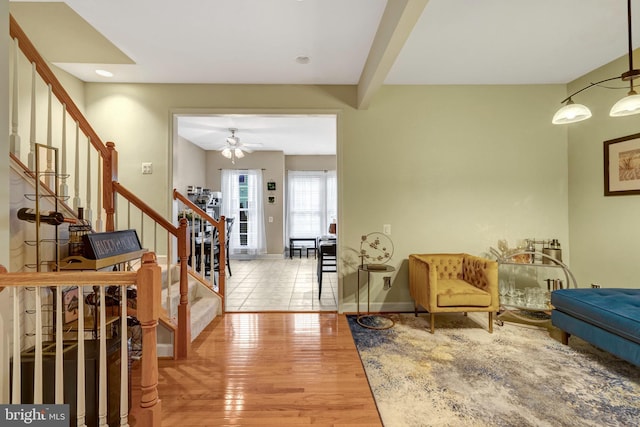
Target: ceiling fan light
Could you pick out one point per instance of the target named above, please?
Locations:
(226, 153)
(571, 113)
(627, 106)
(239, 154)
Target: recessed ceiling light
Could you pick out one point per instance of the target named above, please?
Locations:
(104, 73)
(303, 59)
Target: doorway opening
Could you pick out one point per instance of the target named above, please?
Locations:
(246, 161)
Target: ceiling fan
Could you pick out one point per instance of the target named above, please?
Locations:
(233, 148)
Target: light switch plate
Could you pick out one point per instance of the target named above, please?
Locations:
(147, 168)
(386, 229)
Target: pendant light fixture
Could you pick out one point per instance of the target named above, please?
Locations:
(630, 104)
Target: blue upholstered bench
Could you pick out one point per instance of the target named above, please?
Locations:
(608, 318)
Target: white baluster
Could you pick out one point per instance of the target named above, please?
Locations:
(202, 271)
(16, 392)
(142, 227)
(32, 126)
(117, 216)
(88, 211)
(80, 403)
(99, 196)
(5, 371)
(193, 240)
(59, 383)
(64, 189)
(76, 174)
(49, 171)
(37, 374)
(102, 387)
(124, 360)
(169, 274)
(14, 138)
(212, 252)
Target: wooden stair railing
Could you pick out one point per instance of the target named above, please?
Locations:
(220, 226)
(108, 187)
(147, 281)
(183, 340)
(31, 53)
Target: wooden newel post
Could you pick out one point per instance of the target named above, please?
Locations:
(148, 311)
(184, 311)
(109, 175)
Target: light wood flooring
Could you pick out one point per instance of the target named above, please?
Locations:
(269, 369)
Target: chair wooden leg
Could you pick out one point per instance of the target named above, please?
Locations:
(432, 322)
(564, 337)
(491, 322)
(415, 308)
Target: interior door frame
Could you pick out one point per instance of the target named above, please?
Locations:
(173, 137)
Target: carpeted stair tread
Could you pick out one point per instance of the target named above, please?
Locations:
(204, 305)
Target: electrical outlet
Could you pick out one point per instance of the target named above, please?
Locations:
(147, 168)
(387, 282)
(270, 219)
(386, 229)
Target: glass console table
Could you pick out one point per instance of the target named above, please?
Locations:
(523, 295)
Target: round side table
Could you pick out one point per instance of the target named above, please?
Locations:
(368, 320)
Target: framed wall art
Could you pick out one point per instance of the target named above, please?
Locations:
(622, 166)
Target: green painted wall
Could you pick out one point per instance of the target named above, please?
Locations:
(451, 168)
(604, 231)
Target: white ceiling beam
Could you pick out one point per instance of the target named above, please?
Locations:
(398, 20)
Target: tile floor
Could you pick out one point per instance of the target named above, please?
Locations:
(279, 285)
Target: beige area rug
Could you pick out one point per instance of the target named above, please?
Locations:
(517, 376)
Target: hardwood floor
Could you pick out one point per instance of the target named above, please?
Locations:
(269, 369)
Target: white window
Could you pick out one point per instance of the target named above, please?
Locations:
(312, 202)
(242, 200)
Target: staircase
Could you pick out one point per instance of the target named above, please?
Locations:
(205, 306)
(182, 304)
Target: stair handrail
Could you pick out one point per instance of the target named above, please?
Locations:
(220, 226)
(106, 151)
(29, 50)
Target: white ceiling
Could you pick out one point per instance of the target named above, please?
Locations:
(293, 134)
(258, 41)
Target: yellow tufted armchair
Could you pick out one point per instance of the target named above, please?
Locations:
(444, 283)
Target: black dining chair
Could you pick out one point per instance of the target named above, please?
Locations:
(327, 260)
(229, 223)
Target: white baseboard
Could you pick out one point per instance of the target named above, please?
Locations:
(242, 257)
(377, 307)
